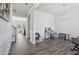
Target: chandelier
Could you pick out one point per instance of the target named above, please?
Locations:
(64, 15)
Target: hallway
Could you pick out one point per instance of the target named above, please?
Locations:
(47, 47)
(19, 45)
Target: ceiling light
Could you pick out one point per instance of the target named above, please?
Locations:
(26, 3)
(64, 15)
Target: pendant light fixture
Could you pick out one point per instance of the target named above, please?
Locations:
(64, 15)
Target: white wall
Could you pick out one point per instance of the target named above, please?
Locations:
(43, 20)
(5, 35)
(4, 27)
(32, 14)
(69, 25)
(32, 28)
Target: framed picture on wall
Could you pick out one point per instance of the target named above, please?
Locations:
(5, 11)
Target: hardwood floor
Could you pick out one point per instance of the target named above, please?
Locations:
(46, 47)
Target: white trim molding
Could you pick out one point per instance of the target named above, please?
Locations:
(5, 43)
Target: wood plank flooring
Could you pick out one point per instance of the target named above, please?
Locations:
(46, 47)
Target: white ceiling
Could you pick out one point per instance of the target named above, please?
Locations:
(21, 9)
(57, 8)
